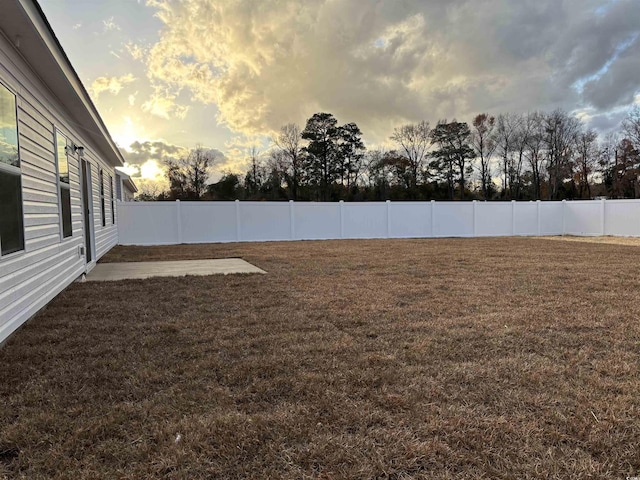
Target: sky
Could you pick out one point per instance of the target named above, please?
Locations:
(167, 75)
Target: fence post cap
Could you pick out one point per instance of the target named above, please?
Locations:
(238, 201)
(177, 200)
(341, 201)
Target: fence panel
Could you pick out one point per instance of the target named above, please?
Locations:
(364, 220)
(551, 222)
(264, 221)
(204, 222)
(622, 218)
(148, 223)
(583, 218)
(316, 221)
(452, 219)
(410, 219)
(493, 219)
(526, 222)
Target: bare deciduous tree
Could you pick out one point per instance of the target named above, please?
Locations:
(188, 175)
(289, 141)
(631, 127)
(561, 130)
(484, 143)
(257, 172)
(523, 131)
(414, 139)
(506, 130)
(535, 151)
(587, 158)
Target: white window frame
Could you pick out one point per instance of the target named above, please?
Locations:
(58, 132)
(103, 210)
(112, 199)
(13, 170)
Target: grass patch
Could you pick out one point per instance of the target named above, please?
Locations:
(452, 358)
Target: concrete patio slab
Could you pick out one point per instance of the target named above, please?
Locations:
(104, 272)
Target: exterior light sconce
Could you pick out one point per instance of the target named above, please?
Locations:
(72, 149)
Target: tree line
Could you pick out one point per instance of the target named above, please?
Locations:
(532, 156)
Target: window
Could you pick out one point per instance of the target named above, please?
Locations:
(101, 177)
(64, 189)
(118, 187)
(11, 222)
(113, 210)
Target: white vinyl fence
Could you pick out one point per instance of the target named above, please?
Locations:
(166, 223)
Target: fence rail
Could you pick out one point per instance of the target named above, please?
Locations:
(166, 223)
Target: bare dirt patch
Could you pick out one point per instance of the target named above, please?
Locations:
(453, 358)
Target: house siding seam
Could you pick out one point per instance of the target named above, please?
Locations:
(31, 278)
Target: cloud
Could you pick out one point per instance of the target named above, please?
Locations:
(137, 52)
(238, 150)
(382, 62)
(139, 152)
(162, 104)
(145, 161)
(110, 25)
(110, 84)
(619, 85)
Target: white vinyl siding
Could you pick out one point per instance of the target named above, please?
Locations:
(105, 237)
(31, 278)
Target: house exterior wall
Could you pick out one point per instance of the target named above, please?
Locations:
(30, 278)
(123, 192)
(128, 196)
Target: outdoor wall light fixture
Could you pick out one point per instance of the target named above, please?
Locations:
(72, 149)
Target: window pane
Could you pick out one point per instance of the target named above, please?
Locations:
(8, 128)
(65, 200)
(63, 162)
(118, 188)
(11, 229)
(113, 211)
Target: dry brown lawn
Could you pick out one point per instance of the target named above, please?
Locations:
(631, 241)
(447, 359)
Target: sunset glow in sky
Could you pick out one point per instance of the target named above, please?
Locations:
(169, 74)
